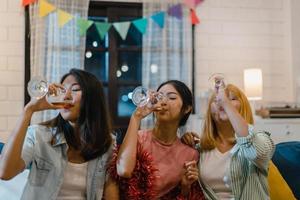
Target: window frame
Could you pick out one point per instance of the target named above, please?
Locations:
(95, 6)
(123, 10)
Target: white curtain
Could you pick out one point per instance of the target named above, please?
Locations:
(54, 50)
(167, 52)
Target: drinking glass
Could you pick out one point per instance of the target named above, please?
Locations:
(142, 96)
(217, 80)
(38, 87)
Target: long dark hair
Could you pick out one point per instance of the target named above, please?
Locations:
(186, 96)
(93, 122)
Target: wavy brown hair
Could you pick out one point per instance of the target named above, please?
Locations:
(209, 131)
(93, 133)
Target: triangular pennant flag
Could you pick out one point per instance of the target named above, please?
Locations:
(83, 25)
(122, 28)
(27, 2)
(190, 3)
(159, 18)
(194, 18)
(197, 2)
(45, 8)
(102, 28)
(175, 11)
(141, 24)
(63, 17)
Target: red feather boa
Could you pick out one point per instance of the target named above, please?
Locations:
(141, 185)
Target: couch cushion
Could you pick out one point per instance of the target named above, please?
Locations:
(1, 146)
(286, 159)
(13, 188)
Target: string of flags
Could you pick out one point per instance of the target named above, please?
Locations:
(45, 8)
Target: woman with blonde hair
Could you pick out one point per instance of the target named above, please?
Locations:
(234, 157)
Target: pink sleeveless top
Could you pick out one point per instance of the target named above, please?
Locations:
(168, 159)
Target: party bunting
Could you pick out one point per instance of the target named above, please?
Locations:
(197, 2)
(141, 24)
(45, 8)
(194, 18)
(122, 28)
(102, 28)
(27, 2)
(159, 18)
(63, 17)
(175, 11)
(190, 3)
(83, 25)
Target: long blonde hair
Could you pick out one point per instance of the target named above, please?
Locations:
(209, 132)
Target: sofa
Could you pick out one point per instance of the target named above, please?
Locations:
(13, 188)
(284, 175)
(287, 160)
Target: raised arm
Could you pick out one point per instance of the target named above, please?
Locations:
(11, 162)
(257, 147)
(238, 123)
(126, 159)
(127, 153)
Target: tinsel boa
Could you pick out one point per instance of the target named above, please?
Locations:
(141, 185)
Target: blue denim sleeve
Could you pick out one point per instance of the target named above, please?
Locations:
(28, 146)
(257, 147)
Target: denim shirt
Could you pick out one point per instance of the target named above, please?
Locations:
(47, 163)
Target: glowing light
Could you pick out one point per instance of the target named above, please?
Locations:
(88, 54)
(124, 68)
(124, 98)
(153, 68)
(95, 44)
(119, 73)
(130, 95)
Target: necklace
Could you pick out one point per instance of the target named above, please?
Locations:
(155, 138)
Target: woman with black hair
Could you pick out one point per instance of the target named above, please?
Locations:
(155, 164)
(67, 155)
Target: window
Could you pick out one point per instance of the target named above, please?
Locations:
(116, 62)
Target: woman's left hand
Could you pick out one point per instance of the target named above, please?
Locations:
(190, 176)
(221, 97)
(190, 138)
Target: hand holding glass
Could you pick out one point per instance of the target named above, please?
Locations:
(217, 80)
(142, 97)
(38, 88)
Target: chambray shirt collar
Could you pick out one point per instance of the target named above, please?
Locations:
(59, 138)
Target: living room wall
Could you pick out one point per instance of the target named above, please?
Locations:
(233, 35)
(11, 64)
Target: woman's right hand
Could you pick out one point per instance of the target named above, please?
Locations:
(190, 138)
(35, 105)
(141, 112)
(152, 106)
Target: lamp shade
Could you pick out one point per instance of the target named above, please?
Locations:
(253, 83)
